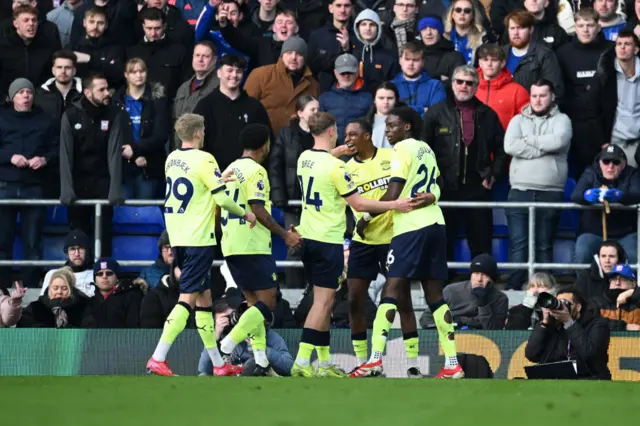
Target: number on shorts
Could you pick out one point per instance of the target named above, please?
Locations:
(390, 258)
(232, 216)
(175, 189)
(308, 199)
(426, 179)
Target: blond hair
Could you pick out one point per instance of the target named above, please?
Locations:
(476, 32)
(66, 274)
(132, 63)
(188, 125)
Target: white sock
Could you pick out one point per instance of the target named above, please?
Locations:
(360, 361)
(261, 358)
(375, 356)
(227, 345)
(215, 356)
(324, 364)
(302, 362)
(412, 363)
(450, 361)
(160, 354)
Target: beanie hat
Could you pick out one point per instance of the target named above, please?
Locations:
(486, 264)
(77, 237)
(294, 44)
(431, 21)
(163, 240)
(106, 263)
(17, 85)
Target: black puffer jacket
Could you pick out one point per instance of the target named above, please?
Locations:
(441, 130)
(589, 338)
(539, 62)
(120, 308)
(155, 126)
(283, 164)
(40, 314)
(441, 59)
(158, 304)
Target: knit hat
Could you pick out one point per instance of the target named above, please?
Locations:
(486, 264)
(17, 85)
(106, 263)
(163, 240)
(77, 237)
(294, 44)
(431, 21)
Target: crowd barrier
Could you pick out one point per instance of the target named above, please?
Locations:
(34, 352)
(530, 265)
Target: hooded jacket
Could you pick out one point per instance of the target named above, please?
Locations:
(377, 63)
(42, 312)
(120, 308)
(503, 95)
(158, 304)
(441, 59)
(346, 104)
(10, 311)
(594, 282)
(49, 98)
(422, 93)
(548, 32)
(538, 143)
(619, 222)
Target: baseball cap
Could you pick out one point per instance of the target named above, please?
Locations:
(623, 270)
(346, 63)
(613, 152)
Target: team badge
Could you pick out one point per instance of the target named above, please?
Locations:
(217, 172)
(260, 185)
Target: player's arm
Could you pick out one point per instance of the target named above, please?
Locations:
(291, 237)
(212, 178)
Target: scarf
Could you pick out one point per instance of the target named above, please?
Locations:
(467, 110)
(401, 29)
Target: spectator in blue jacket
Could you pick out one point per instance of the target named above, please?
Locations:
(416, 88)
(29, 144)
(162, 266)
(347, 99)
(623, 186)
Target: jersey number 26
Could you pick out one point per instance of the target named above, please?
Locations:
(428, 179)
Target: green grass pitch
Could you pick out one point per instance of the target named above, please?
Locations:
(210, 401)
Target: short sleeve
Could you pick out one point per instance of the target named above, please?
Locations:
(257, 187)
(400, 166)
(342, 180)
(210, 174)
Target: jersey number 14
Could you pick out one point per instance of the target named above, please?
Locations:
(308, 198)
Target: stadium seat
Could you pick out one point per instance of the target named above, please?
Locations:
(135, 247)
(278, 215)
(279, 250)
(53, 248)
(563, 251)
(568, 225)
(500, 248)
(138, 220)
(500, 228)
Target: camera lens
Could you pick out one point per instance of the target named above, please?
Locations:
(546, 300)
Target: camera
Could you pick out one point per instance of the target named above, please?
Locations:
(549, 301)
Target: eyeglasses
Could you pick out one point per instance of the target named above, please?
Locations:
(467, 83)
(465, 10)
(104, 274)
(406, 5)
(607, 162)
(76, 249)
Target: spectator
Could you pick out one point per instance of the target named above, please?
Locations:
(385, 99)
(160, 300)
(576, 333)
(262, 50)
(331, 41)
(633, 20)
(499, 11)
(477, 303)
(190, 9)
(527, 315)
(622, 185)
(617, 74)
(149, 124)
(263, 18)
(497, 88)
(62, 16)
(527, 60)
(611, 21)
(91, 138)
(123, 18)
(58, 92)
(377, 63)
(463, 27)
(278, 86)
(538, 139)
(203, 82)
(579, 61)
(28, 147)
(416, 88)
(546, 30)
(467, 139)
(403, 26)
(177, 28)
(348, 99)
(116, 303)
(280, 360)
(167, 61)
(594, 282)
(227, 110)
(441, 57)
(96, 52)
(11, 307)
(77, 249)
(151, 275)
(47, 30)
(62, 306)
(24, 51)
(618, 306)
(310, 15)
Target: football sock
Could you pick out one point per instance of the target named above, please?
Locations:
(206, 329)
(248, 322)
(384, 318)
(444, 323)
(259, 345)
(411, 345)
(322, 348)
(359, 341)
(307, 345)
(173, 326)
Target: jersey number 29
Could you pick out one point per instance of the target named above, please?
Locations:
(181, 190)
(426, 179)
(308, 198)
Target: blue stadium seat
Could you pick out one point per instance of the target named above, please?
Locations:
(500, 228)
(135, 247)
(500, 248)
(279, 250)
(278, 215)
(53, 248)
(563, 251)
(568, 225)
(138, 220)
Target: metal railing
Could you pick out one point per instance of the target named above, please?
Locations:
(530, 265)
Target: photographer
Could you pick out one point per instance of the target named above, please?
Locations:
(226, 318)
(528, 314)
(571, 330)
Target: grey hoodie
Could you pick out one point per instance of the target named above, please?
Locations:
(539, 146)
(370, 15)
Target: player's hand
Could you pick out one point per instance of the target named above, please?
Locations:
(341, 150)
(37, 163)
(251, 218)
(19, 161)
(423, 199)
(404, 205)
(624, 297)
(19, 292)
(361, 226)
(141, 162)
(228, 175)
(293, 239)
(127, 152)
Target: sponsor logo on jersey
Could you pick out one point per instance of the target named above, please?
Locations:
(381, 183)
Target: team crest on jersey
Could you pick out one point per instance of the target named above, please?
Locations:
(385, 165)
(217, 172)
(260, 185)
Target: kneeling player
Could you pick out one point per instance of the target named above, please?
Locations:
(418, 248)
(370, 170)
(248, 251)
(194, 187)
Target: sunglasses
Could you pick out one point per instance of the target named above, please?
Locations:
(607, 162)
(465, 10)
(467, 83)
(104, 274)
